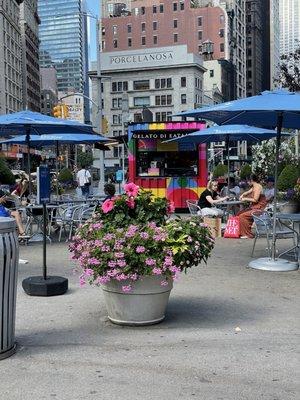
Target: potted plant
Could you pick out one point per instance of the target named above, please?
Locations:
(134, 252)
(292, 200)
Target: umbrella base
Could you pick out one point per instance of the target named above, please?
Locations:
(268, 264)
(38, 286)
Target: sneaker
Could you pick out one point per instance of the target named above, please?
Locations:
(245, 237)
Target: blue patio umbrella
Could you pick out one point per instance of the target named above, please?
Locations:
(38, 141)
(271, 109)
(227, 133)
(30, 123)
(33, 123)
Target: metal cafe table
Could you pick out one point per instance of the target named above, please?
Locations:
(292, 222)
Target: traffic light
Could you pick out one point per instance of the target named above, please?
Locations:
(65, 109)
(57, 111)
(61, 111)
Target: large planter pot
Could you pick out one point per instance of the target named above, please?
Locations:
(145, 304)
(291, 207)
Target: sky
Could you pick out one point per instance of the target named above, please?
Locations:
(93, 7)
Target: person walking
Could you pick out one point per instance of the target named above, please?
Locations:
(84, 179)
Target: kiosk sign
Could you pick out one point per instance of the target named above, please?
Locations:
(43, 185)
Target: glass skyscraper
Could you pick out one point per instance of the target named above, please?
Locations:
(63, 43)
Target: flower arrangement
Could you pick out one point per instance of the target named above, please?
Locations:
(130, 238)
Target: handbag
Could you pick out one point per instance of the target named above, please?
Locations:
(232, 229)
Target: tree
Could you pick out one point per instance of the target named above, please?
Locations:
(288, 177)
(6, 176)
(220, 170)
(289, 71)
(246, 171)
(85, 159)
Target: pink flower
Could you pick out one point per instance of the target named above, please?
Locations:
(112, 264)
(131, 189)
(157, 271)
(170, 207)
(107, 206)
(130, 202)
(144, 235)
(102, 280)
(127, 288)
(150, 261)
(93, 261)
(88, 272)
(121, 277)
(82, 282)
(119, 255)
(121, 263)
(140, 249)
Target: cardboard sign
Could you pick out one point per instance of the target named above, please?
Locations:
(214, 225)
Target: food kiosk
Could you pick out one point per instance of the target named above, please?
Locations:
(169, 169)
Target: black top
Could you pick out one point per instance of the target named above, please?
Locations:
(203, 203)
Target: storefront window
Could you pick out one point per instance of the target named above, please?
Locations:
(155, 158)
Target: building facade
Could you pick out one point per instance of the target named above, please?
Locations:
(289, 13)
(64, 44)
(49, 94)
(29, 25)
(10, 57)
(165, 80)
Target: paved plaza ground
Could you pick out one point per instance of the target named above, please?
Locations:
(69, 351)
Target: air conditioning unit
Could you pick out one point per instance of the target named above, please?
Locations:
(119, 9)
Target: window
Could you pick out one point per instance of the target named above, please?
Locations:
(175, 23)
(161, 8)
(221, 33)
(175, 37)
(141, 101)
(221, 47)
(115, 43)
(163, 83)
(143, 40)
(183, 81)
(119, 86)
(155, 26)
(222, 19)
(129, 42)
(163, 100)
(154, 9)
(115, 29)
(200, 48)
(154, 39)
(181, 5)
(163, 116)
(137, 117)
(199, 35)
(142, 10)
(141, 85)
(129, 28)
(211, 73)
(175, 7)
(117, 119)
(183, 99)
(199, 21)
(143, 26)
(117, 102)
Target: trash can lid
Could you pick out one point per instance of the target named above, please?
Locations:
(7, 224)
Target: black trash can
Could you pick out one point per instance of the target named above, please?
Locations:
(9, 261)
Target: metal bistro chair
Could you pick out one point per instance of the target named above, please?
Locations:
(69, 217)
(264, 229)
(193, 207)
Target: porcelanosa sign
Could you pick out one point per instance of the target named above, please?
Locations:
(142, 58)
(146, 58)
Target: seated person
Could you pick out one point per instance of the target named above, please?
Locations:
(257, 200)
(269, 190)
(234, 189)
(22, 188)
(7, 202)
(209, 198)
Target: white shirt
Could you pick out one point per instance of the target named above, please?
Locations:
(83, 177)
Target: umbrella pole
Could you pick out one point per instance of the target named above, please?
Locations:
(278, 139)
(228, 166)
(56, 167)
(28, 159)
